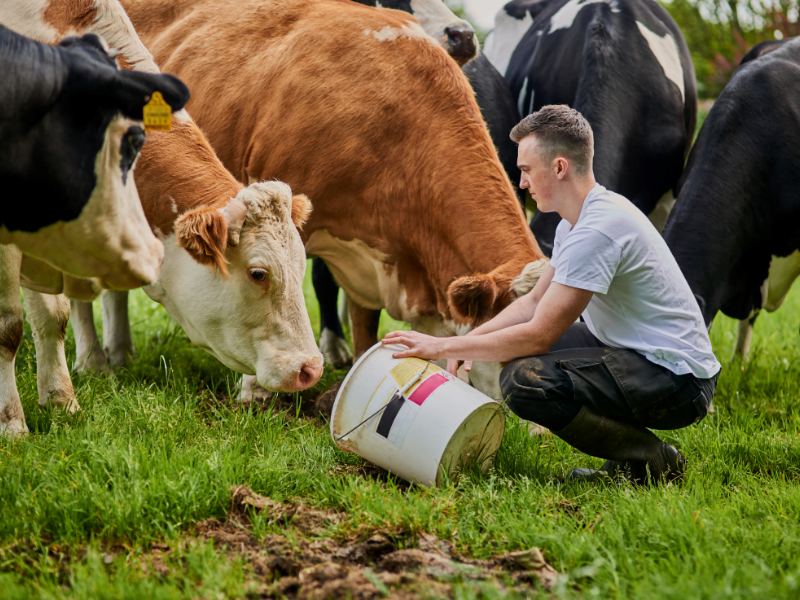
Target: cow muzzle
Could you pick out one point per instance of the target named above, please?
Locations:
(460, 42)
(304, 377)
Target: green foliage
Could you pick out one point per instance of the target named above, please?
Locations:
(154, 450)
(719, 33)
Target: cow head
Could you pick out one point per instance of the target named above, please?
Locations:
(477, 298)
(232, 278)
(439, 22)
(71, 128)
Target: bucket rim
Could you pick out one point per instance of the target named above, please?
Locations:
(346, 381)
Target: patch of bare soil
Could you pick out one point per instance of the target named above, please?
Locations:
(309, 404)
(397, 564)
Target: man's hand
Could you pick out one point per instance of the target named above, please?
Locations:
(453, 364)
(418, 344)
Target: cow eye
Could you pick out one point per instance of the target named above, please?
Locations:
(258, 275)
(135, 137)
(131, 144)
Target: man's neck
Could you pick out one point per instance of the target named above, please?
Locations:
(574, 197)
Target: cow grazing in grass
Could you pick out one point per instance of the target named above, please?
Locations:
(735, 228)
(412, 209)
(234, 264)
(498, 110)
(625, 66)
(70, 132)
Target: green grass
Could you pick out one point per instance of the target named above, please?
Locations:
(153, 451)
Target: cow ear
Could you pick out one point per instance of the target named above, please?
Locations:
(133, 89)
(471, 298)
(203, 233)
(301, 210)
(235, 215)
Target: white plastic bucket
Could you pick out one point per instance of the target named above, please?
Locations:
(441, 423)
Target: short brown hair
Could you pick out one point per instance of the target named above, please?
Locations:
(562, 131)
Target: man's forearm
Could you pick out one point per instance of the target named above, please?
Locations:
(516, 313)
(504, 344)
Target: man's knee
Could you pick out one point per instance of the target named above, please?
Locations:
(526, 376)
(536, 390)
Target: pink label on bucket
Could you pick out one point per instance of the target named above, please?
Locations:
(426, 388)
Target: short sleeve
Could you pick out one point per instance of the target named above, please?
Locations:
(587, 260)
(561, 230)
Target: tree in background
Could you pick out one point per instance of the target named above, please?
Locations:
(720, 32)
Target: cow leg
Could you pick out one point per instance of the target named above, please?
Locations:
(331, 337)
(744, 338)
(249, 389)
(117, 338)
(364, 327)
(89, 353)
(12, 419)
(48, 316)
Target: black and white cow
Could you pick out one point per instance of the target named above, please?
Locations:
(624, 65)
(70, 132)
(735, 228)
(498, 110)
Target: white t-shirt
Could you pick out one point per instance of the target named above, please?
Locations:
(641, 299)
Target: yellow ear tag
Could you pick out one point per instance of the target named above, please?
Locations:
(157, 114)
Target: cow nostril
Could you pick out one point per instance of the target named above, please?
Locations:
(309, 375)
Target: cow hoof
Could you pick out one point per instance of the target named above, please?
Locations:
(250, 390)
(121, 356)
(64, 400)
(335, 350)
(14, 428)
(711, 409)
(95, 362)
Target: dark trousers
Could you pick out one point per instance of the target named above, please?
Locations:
(619, 383)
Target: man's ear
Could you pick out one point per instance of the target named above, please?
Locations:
(561, 166)
(203, 233)
(301, 210)
(472, 298)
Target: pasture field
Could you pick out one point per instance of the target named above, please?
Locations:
(131, 497)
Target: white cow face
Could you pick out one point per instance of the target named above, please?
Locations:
(110, 240)
(254, 320)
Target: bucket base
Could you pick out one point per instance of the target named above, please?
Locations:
(475, 441)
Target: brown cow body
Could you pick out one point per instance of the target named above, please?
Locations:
(378, 126)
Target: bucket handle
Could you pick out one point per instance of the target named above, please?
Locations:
(402, 394)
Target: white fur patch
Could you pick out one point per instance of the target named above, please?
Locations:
(434, 16)
(565, 16)
(27, 18)
(666, 52)
(530, 275)
(501, 43)
(389, 34)
(521, 99)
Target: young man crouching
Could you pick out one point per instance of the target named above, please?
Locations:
(642, 357)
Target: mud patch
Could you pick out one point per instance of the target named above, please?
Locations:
(400, 564)
(312, 404)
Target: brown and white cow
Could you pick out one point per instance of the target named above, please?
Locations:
(413, 211)
(234, 260)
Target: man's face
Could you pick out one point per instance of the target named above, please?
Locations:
(538, 176)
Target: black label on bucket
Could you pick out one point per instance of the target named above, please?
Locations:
(389, 415)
